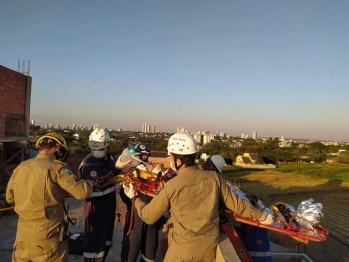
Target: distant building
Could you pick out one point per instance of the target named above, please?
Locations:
(222, 135)
(197, 137)
(148, 129)
(206, 139)
(246, 158)
(144, 128)
(180, 129)
(152, 129)
(254, 135)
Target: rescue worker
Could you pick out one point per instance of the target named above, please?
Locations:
(38, 188)
(256, 239)
(192, 197)
(100, 207)
(214, 163)
(61, 152)
(138, 236)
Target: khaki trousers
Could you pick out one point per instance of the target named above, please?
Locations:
(40, 251)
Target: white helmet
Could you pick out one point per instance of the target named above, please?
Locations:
(99, 139)
(182, 144)
(218, 162)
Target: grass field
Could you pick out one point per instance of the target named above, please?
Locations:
(326, 184)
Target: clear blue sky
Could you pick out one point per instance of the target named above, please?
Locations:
(279, 68)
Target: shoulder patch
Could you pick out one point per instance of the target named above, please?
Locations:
(93, 174)
(68, 170)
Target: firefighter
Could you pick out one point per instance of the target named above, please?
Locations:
(256, 239)
(214, 163)
(138, 236)
(100, 207)
(192, 197)
(38, 188)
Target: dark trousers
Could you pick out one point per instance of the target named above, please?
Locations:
(99, 226)
(142, 237)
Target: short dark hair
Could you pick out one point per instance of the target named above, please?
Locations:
(46, 145)
(208, 165)
(187, 160)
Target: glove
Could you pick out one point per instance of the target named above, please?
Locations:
(121, 165)
(101, 185)
(129, 189)
(266, 219)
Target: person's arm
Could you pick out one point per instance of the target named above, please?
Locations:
(125, 198)
(150, 213)
(81, 189)
(285, 240)
(237, 204)
(121, 165)
(9, 189)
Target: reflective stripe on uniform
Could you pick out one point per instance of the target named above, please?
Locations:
(94, 255)
(146, 259)
(102, 193)
(260, 254)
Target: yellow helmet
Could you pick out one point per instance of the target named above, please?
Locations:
(52, 137)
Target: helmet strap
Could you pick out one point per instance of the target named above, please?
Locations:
(175, 157)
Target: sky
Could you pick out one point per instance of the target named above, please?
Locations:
(279, 68)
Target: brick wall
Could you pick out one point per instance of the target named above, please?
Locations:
(13, 89)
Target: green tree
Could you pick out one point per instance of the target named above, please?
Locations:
(317, 152)
(343, 157)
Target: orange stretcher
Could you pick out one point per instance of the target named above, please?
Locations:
(317, 233)
(150, 181)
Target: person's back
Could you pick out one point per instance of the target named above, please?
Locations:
(38, 188)
(194, 195)
(39, 199)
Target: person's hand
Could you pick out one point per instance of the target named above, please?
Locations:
(121, 165)
(101, 185)
(129, 189)
(266, 219)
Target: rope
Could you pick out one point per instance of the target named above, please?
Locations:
(131, 216)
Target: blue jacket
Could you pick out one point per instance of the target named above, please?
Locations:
(256, 243)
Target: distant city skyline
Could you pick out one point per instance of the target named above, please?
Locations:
(181, 128)
(274, 67)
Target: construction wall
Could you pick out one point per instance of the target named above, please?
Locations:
(15, 89)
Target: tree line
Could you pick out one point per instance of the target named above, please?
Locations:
(269, 151)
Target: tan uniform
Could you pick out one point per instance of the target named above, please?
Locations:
(192, 198)
(38, 187)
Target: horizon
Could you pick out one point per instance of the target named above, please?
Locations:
(277, 68)
(190, 131)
